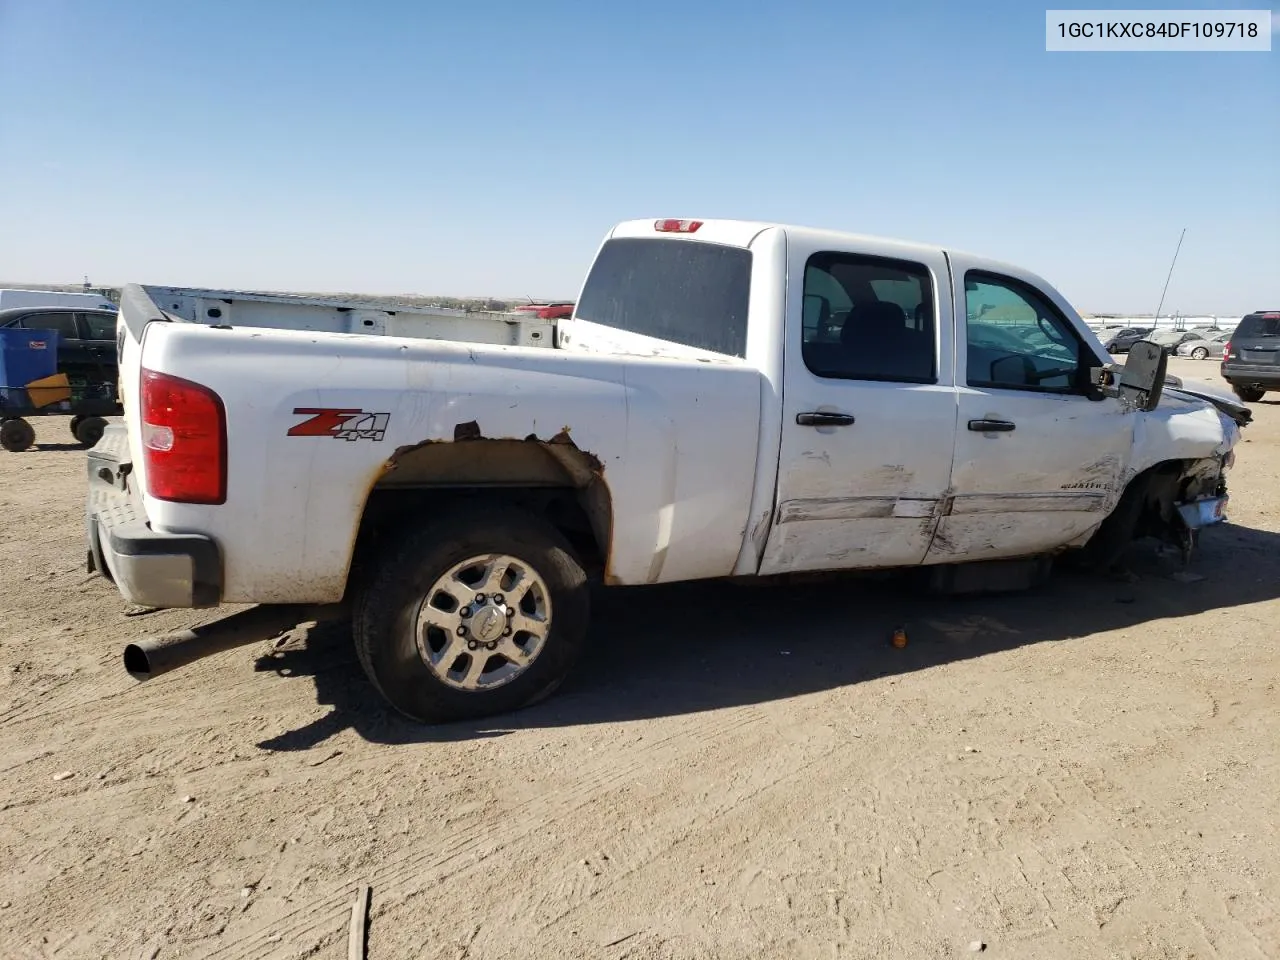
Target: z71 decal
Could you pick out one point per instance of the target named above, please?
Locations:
(340, 424)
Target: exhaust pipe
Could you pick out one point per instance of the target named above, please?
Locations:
(156, 655)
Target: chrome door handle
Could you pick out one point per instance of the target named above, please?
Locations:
(991, 426)
(823, 419)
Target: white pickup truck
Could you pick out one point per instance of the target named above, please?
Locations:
(729, 399)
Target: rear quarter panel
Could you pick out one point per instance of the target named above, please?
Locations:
(677, 440)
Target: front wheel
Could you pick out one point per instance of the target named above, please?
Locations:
(1249, 394)
(1199, 353)
(480, 614)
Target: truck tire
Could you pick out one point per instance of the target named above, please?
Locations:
(1248, 394)
(16, 435)
(1107, 546)
(483, 613)
(89, 430)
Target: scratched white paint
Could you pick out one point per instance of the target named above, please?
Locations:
(672, 441)
(708, 471)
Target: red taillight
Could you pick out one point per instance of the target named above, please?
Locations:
(677, 226)
(1226, 349)
(184, 440)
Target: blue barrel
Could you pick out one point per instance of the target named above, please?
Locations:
(26, 355)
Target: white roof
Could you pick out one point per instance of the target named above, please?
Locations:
(740, 233)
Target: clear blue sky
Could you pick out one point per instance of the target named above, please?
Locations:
(486, 147)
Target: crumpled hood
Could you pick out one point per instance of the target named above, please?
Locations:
(1225, 403)
(1185, 426)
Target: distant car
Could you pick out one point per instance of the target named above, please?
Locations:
(1251, 361)
(1170, 340)
(547, 311)
(1122, 339)
(86, 339)
(1212, 345)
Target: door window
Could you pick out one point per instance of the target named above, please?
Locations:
(64, 323)
(868, 318)
(100, 326)
(1017, 340)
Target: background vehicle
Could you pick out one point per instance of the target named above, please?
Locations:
(86, 339)
(87, 354)
(1170, 340)
(697, 419)
(1251, 361)
(1205, 347)
(547, 311)
(1119, 341)
(11, 297)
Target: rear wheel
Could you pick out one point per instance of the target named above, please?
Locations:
(1199, 353)
(480, 614)
(1249, 394)
(74, 424)
(89, 430)
(17, 435)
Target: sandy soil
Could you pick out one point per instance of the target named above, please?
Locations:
(1089, 770)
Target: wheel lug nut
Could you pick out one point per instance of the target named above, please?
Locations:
(497, 598)
(472, 645)
(506, 632)
(492, 645)
(462, 631)
(464, 612)
(479, 598)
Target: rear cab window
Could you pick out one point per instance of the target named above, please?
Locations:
(688, 292)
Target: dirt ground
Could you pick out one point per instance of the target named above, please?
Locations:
(1088, 770)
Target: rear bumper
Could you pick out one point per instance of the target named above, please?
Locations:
(148, 568)
(1265, 376)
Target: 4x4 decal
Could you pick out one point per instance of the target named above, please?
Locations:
(342, 424)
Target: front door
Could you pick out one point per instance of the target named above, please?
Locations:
(1038, 463)
(868, 408)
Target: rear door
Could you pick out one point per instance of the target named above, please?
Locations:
(868, 407)
(1037, 461)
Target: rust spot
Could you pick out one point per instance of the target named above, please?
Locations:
(563, 439)
(466, 431)
(400, 452)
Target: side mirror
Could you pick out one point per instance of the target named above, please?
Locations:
(1013, 369)
(1142, 378)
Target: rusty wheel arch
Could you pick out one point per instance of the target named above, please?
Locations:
(552, 478)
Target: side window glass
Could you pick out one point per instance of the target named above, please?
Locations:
(101, 326)
(1016, 339)
(64, 323)
(868, 318)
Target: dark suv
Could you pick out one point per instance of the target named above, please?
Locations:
(1251, 361)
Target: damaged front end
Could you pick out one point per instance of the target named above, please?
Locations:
(1183, 499)
(1188, 435)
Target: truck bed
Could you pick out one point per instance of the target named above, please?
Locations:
(337, 315)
